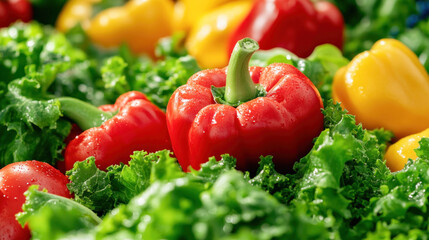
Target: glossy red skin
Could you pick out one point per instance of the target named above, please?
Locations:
(15, 179)
(13, 10)
(296, 25)
(282, 124)
(139, 125)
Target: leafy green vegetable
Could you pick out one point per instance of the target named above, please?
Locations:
(102, 191)
(423, 150)
(173, 203)
(52, 216)
(280, 186)
(22, 45)
(401, 212)
(216, 202)
(91, 186)
(33, 57)
(157, 80)
(233, 207)
(230, 209)
(113, 76)
(212, 169)
(31, 125)
(342, 172)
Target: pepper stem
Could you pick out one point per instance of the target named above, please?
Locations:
(85, 115)
(239, 85)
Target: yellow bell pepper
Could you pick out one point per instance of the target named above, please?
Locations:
(74, 12)
(139, 23)
(398, 153)
(208, 38)
(188, 12)
(385, 87)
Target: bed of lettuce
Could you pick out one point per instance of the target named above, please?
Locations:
(341, 190)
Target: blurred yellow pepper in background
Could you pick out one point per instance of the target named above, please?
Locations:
(208, 37)
(385, 87)
(189, 12)
(74, 12)
(398, 153)
(139, 23)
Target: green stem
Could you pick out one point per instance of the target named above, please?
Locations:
(85, 115)
(239, 85)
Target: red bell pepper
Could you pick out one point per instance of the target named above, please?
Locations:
(133, 123)
(13, 10)
(296, 25)
(278, 117)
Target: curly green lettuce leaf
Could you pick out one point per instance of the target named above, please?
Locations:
(342, 172)
(230, 209)
(32, 127)
(114, 78)
(240, 208)
(163, 211)
(212, 169)
(22, 45)
(160, 83)
(102, 191)
(321, 179)
(215, 202)
(157, 80)
(280, 186)
(26, 44)
(423, 150)
(50, 216)
(91, 186)
(401, 211)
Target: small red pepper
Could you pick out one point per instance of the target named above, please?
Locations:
(279, 118)
(13, 10)
(112, 137)
(296, 25)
